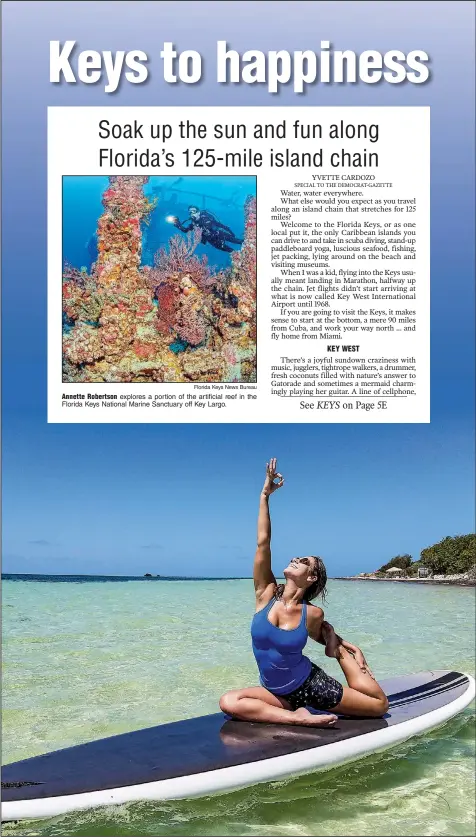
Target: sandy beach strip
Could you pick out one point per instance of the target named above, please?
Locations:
(455, 581)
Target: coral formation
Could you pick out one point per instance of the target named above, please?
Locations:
(178, 321)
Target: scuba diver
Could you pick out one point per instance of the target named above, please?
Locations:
(213, 231)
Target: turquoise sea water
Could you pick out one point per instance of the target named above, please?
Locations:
(87, 660)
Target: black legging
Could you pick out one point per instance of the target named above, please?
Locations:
(218, 239)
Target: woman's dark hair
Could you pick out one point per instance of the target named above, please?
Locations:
(317, 588)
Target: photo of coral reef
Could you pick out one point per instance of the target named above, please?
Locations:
(159, 279)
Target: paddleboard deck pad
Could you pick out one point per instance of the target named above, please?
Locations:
(211, 754)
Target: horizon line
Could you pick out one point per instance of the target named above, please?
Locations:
(153, 576)
(130, 575)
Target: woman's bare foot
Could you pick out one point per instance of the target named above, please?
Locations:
(307, 719)
(333, 642)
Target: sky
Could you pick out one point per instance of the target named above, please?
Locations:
(182, 500)
(123, 499)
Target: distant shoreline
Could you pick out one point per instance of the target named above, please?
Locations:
(86, 577)
(78, 578)
(461, 582)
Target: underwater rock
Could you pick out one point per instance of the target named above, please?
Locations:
(82, 345)
(248, 370)
(203, 365)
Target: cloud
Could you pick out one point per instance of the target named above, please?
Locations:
(152, 546)
(40, 542)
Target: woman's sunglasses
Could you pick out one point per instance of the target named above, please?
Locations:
(308, 562)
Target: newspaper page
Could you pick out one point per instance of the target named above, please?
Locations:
(310, 305)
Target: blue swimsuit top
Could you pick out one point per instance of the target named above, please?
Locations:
(281, 663)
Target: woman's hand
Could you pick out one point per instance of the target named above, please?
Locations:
(359, 658)
(270, 483)
(362, 662)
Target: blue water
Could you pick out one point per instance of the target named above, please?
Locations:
(86, 660)
(224, 196)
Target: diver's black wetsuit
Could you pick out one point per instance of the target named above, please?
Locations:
(213, 231)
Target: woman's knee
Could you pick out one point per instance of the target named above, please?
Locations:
(381, 706)
(228, 702)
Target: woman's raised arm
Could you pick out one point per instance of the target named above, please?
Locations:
(262, 573)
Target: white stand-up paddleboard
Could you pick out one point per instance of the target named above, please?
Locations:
(214, 754)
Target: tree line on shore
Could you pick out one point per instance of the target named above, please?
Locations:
(450, 556)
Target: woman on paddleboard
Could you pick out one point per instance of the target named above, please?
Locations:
(283, 621)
